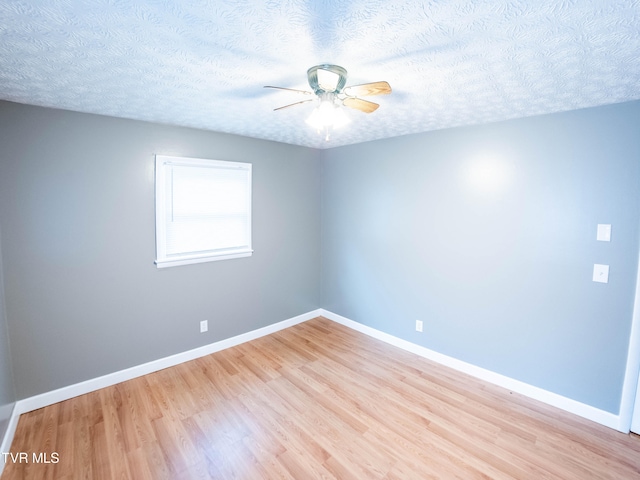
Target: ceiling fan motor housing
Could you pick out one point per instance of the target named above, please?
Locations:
(335, 78)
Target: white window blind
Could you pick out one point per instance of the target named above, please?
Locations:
(203, 210)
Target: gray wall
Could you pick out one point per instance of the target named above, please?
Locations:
(7, 391)
(488, 235)
(83, 296)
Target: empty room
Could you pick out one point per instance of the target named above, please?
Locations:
(319, 239)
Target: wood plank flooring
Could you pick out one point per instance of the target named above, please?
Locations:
(317, 400)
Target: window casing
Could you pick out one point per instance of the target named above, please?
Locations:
(203, 210)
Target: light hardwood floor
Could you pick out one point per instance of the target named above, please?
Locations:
(317, 400)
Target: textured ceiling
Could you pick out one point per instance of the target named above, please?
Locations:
(203, 63)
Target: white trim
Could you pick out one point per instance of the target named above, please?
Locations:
(201, 259)
(164, 193)
(5, 445)
(586, 411)
(49, 398)
(65, 393)
(630, 413)
(635, 414)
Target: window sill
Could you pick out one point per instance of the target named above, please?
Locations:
(187, 260)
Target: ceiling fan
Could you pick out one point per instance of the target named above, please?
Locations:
(327, 83)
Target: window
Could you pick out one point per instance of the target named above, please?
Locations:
(203, 210)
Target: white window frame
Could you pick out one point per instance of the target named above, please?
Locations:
(163, 193)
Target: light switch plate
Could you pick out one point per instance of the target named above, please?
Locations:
(604, 232)
(601, 273)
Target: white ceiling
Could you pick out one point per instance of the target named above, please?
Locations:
(203, 63)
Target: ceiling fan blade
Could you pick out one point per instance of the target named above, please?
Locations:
(305, 92)
(327, 80)
(359, 104)
(366, 89)
(292, 104)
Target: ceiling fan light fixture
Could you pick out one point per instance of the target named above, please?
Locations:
(340, 119)
(327, 115)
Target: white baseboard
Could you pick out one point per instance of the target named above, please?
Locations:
(5, 445)
(49, 398)
(65, 393)
(586, 411)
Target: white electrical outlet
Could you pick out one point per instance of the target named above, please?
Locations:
(601, 273)
(418, 325)
(204, 326)
(604, 232)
